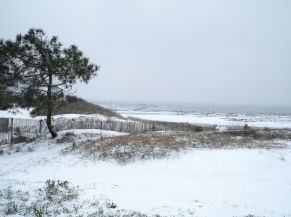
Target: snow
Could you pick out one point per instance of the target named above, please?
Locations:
(219, 119)
(199, 182)
(76, 116)
(271, 121)
(25, 114)
(103, 133)
(15, 113)
(204, 182)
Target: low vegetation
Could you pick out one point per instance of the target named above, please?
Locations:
(76, 105)
(259, 133)
(68, 137)
(20, 139)
(57, 198)
(155, 145)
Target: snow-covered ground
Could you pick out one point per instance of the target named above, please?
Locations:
(220, 115)
(203, 118)
(199, 182)
(214, 183)
(15, 113)
(219, 119)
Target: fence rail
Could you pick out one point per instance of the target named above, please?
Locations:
(13, 127)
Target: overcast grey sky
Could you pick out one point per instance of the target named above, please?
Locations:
(207, 51)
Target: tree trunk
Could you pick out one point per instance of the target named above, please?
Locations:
(49, 108)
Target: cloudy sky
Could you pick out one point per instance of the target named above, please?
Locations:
(207, 51)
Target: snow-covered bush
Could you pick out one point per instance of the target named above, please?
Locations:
(58, 191)
(39, 210)
(57, 198)
(11, 208)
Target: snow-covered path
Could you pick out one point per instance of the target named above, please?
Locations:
(201, 182)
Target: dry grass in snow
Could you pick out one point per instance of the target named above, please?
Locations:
(155, 145)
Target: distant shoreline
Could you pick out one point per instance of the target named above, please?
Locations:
(191, 107)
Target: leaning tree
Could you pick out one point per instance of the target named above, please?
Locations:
(39, 71)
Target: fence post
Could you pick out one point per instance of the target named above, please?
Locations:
(40, 126)
(11, 130)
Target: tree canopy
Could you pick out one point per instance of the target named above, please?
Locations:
(36, 71)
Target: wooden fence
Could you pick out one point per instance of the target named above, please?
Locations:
(13, 127)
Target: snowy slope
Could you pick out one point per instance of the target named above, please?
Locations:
(200, 183)
(217, 182)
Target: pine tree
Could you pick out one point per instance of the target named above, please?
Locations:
(39, 71)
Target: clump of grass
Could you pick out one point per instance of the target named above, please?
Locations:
(259, 133)
(111, 205)
(20, 139)
(58, 191)
(30, 149)
(39, 210)
(68, 137)
(7, 193)
(11, 208)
